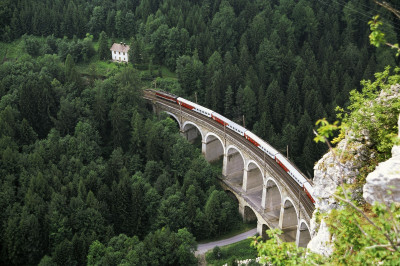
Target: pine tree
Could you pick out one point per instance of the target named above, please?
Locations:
(104, 50)
(229, 103)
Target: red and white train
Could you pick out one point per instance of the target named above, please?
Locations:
(256, 141)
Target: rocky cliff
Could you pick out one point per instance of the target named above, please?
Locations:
(330, 171)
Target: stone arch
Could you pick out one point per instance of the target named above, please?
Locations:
(264, 234)
(303, 234)
(249, 214)
(253, 180)
(233, 166)
(213, 147)
(191, 131)
(273, 199)
(175, 117)
(232, 195)
(289, 220)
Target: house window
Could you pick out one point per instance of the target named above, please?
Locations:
(124, 53)
(119, 52)
(115, 52)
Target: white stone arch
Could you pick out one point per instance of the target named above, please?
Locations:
(249, 214)
(276, 183)
(215, 135)
(272, 198)
(233, 166)
(196, 126)
(303, 235)
(294, 206)
(301, 222)
(208, 147)
(288, 221)
(236, 148)
(174, 116)
(256, 164)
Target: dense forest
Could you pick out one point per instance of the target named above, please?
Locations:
(90, 176)
(85, 163)
(282, 64)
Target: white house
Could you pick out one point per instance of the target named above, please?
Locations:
(119, 52)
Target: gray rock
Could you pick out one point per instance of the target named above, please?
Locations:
(322, 242)
(383, 184)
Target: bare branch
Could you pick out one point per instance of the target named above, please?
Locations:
(388, 7)
(387, 246)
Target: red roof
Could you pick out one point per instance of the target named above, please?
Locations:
(120, 47)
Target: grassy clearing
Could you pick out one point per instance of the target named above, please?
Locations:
(16, 49)
(237, 251)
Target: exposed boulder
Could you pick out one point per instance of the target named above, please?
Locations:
(385, 178)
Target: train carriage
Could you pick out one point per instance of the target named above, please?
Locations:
(260, 143)
(308, 189)
(167, 96)
(290, 169)
(194, 107)
(236, 128)
(228, 123)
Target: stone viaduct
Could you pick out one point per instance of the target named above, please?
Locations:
(254, 180)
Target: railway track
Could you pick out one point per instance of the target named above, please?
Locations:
(287, 179)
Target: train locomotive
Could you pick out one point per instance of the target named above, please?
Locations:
(248, 135)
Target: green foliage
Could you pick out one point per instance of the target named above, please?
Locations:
(377, 117)
(362, 235)
(32, 46)
(377, 37)
(104, 49)
(276, 252)
(360, 242)
(163, 247)
(326, 130)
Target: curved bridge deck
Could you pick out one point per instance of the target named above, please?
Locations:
(265, 192)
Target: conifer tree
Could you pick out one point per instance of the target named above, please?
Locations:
(104, 50)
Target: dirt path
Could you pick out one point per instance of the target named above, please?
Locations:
(203, 248)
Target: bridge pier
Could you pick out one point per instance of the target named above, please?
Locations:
(245, 178)
(225, 166)
(264, 196)
(203, 148)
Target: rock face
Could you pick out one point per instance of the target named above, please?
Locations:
(328, 173)
(322, 242)
(385, 177)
